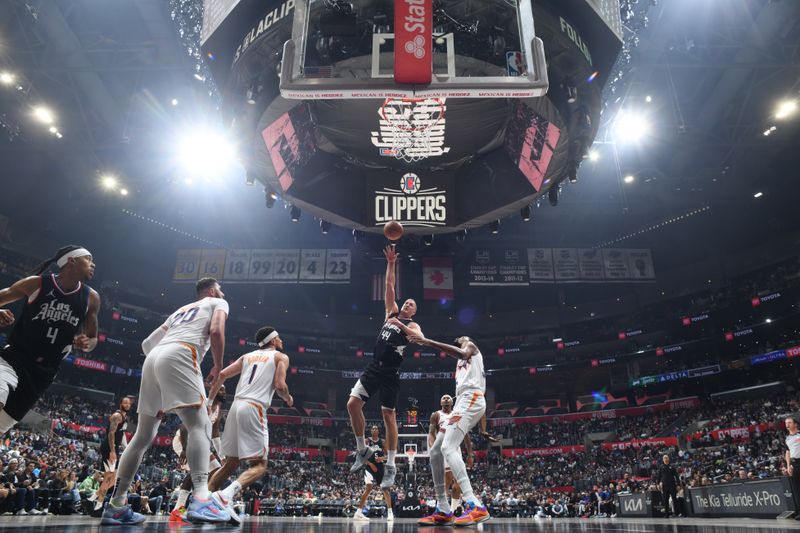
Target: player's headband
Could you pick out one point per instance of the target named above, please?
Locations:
(446, 398)
(80, 252)
(268, 338)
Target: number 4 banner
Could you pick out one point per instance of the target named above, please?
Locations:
(312, 266)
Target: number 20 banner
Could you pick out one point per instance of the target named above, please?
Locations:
(292, 265)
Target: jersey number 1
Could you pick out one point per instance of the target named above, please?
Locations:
(52, 334)
(252, 374)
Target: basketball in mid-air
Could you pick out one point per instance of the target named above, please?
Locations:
(393, 230)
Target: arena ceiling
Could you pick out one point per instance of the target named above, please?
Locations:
(714, 72)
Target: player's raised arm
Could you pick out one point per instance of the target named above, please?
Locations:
(19, 290)
(465, 352)
(389, 295)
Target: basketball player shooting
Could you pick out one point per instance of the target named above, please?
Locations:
(246, 437)
(469, 409)
(172, 381)
(382, 375)
(60, 314)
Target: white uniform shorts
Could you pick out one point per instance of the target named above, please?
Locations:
(467, 411)
(171, 379)
(8, 380)
(246, 435)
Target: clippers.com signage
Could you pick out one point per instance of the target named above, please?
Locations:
(413, 200)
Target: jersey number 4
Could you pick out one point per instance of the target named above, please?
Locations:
(52, 334)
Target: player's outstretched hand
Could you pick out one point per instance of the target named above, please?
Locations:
(391, 253)
(213, 375)
(488, 436)
(6, 318)
(416, 339)
(81, 342)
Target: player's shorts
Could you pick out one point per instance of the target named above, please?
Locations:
(108, 466)
(246, 435)
(467, 411)
(171, 379)
(383, 381)
(21, 386)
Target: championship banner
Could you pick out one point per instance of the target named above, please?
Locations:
(565, 261)
(295, 265)
(491, 267)
(540, 265)
(590, 264)
(765, 498)
(615, 263)
(437, 278)
(640, 443)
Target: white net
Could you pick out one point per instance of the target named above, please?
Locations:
(414, 127)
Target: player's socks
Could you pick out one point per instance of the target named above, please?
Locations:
(390, 455)
(361, 443)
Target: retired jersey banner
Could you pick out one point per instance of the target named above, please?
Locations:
(293, 265)
(540, 265)
(437, 274)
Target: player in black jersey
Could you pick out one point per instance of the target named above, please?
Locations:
(382, 375)
(60, 314)
(373, 473)
(110, 448)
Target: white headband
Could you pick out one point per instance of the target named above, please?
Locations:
(267, 339)
(80, 252)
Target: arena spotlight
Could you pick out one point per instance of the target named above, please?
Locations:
(593, 156)
(629, 178)
(461, 236)
(630, 126)
(525, 213)
(324, 226)
(552, 195)
(123, 192)
(427, 240)
(206, 153)
(785, 109)
(269, 197)
(494, 227)
(109, 182)
(7, 78)
(759, 194)
(294, 213)
(43, 114)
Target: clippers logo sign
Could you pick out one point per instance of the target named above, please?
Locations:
(413, 23)
(411, 204)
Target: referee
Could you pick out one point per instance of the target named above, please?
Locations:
(793, 451)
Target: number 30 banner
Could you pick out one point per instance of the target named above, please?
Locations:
(265, 266)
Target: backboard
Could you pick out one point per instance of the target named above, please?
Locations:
(422, 48)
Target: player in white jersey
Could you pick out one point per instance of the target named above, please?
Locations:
(246, 437)
(172, 381)
(469, 409)
(439, 421)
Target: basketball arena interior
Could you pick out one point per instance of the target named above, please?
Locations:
(571, 225)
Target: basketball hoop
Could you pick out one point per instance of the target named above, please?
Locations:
(413, 124)
(410, 452)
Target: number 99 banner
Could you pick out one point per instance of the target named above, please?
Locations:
(265, 266)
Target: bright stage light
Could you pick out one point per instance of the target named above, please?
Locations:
(629, 178)
(43, 115)
(786, 109)
(53, 129)
(206, 153)
(648, 98)
(758, 195)
(7, 78)
(123, 192)
(631, 127)
(174, 101)
(109, 182)
(594, 156)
